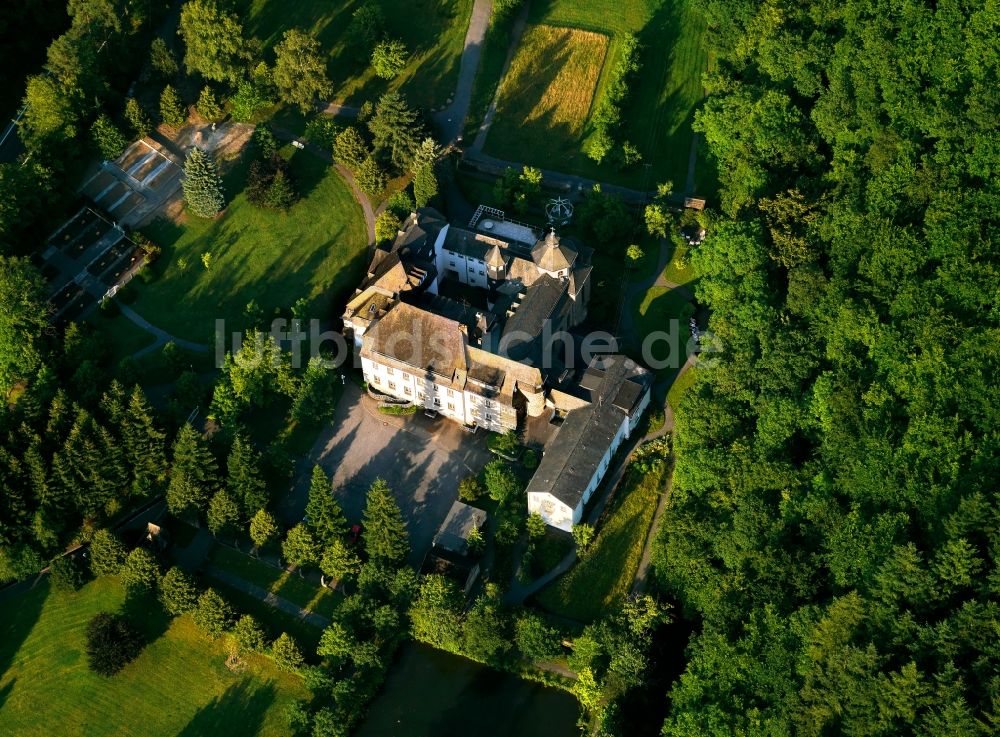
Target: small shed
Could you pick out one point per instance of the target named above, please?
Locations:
(453, 535)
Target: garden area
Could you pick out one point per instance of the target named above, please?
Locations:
(178, 685)
(658, 108)
(433, 32)
(315, 249)
(604, 574)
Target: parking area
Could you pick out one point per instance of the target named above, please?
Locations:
(422, 460)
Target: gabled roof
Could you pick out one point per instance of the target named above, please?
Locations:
(550, 254)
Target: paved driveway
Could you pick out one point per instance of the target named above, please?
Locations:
(423, 461)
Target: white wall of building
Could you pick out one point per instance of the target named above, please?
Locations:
(463, 406)
(554, 512)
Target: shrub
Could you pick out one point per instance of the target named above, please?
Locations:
(107, 554)
(213, 614)
(370, 177)
(66, 573)
(286, 653)
(178, 592)
(386, 226)
(389, 58)
(141, 572)
(398, 410)
(469, 489)
(112, 643)
(530, 459)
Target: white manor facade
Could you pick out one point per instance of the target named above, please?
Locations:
(478, 365)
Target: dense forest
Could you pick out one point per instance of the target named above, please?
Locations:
(834, 522)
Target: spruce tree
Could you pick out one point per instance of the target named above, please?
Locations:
(425, 185)
(208, 106)
(137, 118)
(386, 538)
(223, 513)
(110, 141)
(325, 517)
(192, 476)
(172, 110)
(144, 444)
(263, 528)
(396, 129)
(202, 184)
(280, 193)
(245, 483)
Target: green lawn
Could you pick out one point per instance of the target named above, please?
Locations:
(598, 582)
(662, 100)
(290, 586)
(433, 31)
(679, 269)
(315, 250)
(179, 685)
(666, 311)
(679, 386)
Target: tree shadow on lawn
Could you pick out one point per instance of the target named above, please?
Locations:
(146, 614)
(514, 136)
(238, 712)
(663, 132)
(20, 612)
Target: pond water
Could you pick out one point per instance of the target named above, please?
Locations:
(430, 693)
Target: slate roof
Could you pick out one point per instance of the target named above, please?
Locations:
(540, 302)
(419, 339)
(453, 535)
(613, 386)
(551, 254)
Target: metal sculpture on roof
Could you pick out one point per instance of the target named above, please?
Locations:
(559, 211)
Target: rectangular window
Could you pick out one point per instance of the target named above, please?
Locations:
(489, 416)
(406, 376)
(389, 371)
(451, 406)
(378, 380)
(437, 402)
(452, 263)
(392, 385)
(406, 390)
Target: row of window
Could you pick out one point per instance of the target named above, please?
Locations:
(437, 401)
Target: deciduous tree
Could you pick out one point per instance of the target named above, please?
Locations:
(300, 70)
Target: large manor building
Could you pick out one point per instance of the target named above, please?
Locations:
(495, 364)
